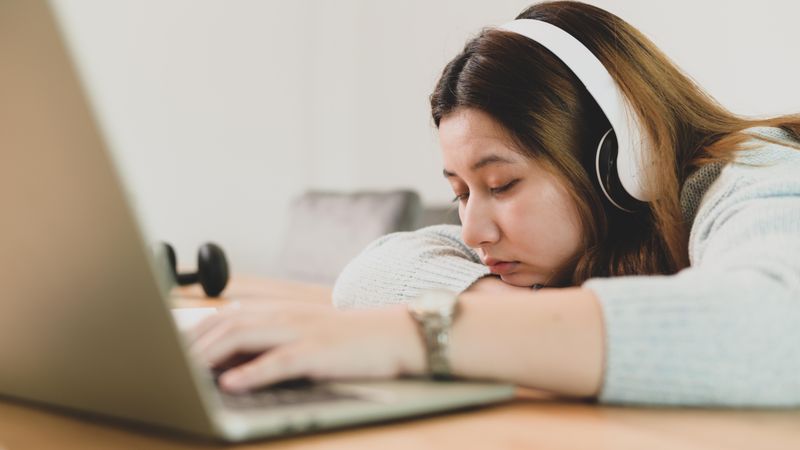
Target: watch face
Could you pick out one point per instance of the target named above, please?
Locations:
(436, 302)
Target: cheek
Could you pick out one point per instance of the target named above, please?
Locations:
(547, 225)
(523, 223)
(572, 238)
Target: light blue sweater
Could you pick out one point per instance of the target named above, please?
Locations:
(724, 331)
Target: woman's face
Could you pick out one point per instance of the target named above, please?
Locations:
(517, 216)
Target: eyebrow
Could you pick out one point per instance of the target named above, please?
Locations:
(483, 162)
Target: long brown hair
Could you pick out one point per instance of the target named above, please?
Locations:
(552, 118)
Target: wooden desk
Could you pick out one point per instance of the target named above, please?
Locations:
(533, 420)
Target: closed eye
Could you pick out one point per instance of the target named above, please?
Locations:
(503, 188)
(494, 191)
(460, 197)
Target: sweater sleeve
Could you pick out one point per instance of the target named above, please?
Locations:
(397, 267)
(726, 330)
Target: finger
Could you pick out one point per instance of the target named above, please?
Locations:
(239, 335)
(280, 364)
(272, 308)
(208, 323)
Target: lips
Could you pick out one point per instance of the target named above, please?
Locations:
(499, 267)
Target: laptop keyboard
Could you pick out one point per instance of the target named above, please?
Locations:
(294, 392)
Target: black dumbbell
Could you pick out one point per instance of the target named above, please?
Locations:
(212, 269)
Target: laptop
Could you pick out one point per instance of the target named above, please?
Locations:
(86, 324)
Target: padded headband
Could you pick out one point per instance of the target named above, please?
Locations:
(634, 150)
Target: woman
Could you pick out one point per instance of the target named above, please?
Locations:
(692, 298)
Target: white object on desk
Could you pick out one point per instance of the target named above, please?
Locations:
(186, 318)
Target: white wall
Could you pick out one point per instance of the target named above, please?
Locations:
(220, 112)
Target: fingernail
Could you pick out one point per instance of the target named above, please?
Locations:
(232, 380)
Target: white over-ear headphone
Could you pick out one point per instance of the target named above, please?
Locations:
(624, 153)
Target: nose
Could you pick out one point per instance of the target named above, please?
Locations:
(478, 226)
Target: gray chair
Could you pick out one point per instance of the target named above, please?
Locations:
(328, 229)
(436, 215)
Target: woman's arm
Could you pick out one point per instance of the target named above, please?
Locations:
(398, 267)
(724, 331)
(551, 339)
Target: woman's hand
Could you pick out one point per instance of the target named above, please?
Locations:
(302, 340)
(493, 284)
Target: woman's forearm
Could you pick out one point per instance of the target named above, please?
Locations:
(493, 284)
(397, 267)
(552, 339)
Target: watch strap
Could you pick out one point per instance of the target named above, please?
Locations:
(437, 344)
(434, 312)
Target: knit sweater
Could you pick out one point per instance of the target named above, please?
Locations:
(723, 331)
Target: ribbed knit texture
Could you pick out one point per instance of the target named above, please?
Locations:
(399, 266)
(724, 331)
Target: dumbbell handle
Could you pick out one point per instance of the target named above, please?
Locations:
(187, 278)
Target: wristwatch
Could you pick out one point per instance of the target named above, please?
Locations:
(434, 311)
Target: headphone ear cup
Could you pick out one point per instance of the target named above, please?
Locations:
(604, 162)
(608, 176)
(212, 269)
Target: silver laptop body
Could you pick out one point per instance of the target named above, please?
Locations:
(86, 323)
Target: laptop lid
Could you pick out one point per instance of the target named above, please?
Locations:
(73, 262)
(85, 324)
